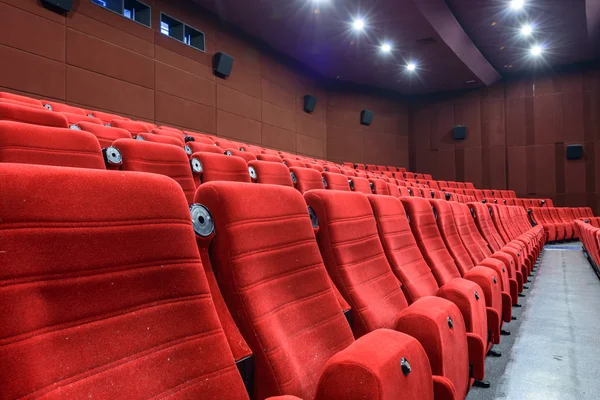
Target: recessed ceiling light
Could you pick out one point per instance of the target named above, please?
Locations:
(411, 66)
(536, 50)
(526, 30)
(517, 4)
(386, 47)
(358, 24)
(470, 81)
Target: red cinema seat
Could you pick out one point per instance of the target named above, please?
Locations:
(170, 133)
(429, 239)
(358, 184)
(469, 186)
(414, 191)
(455, 245)
(427, 177)
(359, 167)
(251, 149)
(210, 167)
(74, 119)
(45, 145)
(196, 147)
(361, 174)
(418, 281)
(134, 127)
(331, 168)
(356, 262)
(269, 157)
(157, 158)
(289, 162)
(127, 312)
(381, 168)
(64, 108)
(31, 115)
(379, 186)
(19, 98)
(348, 164)
(270, 173)
(305, 179)
(461, 185)
(333, 181)
(394, 190)
(404, 191)
(285, 304)
(315, 166)
(238, 153)
(106, 118)
(150, 137)
(106, 135)
(371, 167)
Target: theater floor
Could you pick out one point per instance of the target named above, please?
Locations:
(553, 352)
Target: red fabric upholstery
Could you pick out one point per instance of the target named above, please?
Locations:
(196, 147)
(306, 179)
(269, 157)
(315, 166)
(30, 115)
(274, 173)
(294, 163)
(134, 127)
(379, 186)
(358, 184)
(156, 158)
(219, 167)
(241, 154)
(106, 135)
(347, 172)
(169, 133)
(125, 311)
(64, 108)
(33, 144)
(333, 181)
(353, 255)
(19, 98)
(74, 119)
(272, 277)
(331, 168)
(150, 137)
(106, 118)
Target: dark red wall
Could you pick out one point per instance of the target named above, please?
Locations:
(96, 59)
(517, 135)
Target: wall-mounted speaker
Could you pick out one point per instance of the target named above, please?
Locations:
(574, 152)
(310, 102)
(459, 132)
(366, 117)
(222, 64)
(60, 6)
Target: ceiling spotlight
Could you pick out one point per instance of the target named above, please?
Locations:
(411, 66)
(517, 4)
(358, 24)
(536, 50)
(526, 30)
(386, 47)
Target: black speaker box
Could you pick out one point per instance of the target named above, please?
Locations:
(60, 6)
(222, 64)
(574, 152)
(310, 102)
(459, 132)
(366, 117)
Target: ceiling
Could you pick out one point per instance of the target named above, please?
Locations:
(452, 41)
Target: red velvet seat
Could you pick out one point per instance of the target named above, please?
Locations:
(61, 107)
(294, 163)
(106, 135)
(247, 156)
(274, 173)
(126, 311)
(156, 158)
(272, 277)
(19, 98)
(379, 186)
(170, 133)
(356, 262)
(269, 157)
(210, 167)
(45, 145)
(358, 184)
(105, 117)
(198, 147)
(150, 137)
(305, 179)
(134, 127)
(332, 168)
(333, 181)
(30, 115)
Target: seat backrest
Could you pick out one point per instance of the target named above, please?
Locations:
(305, 179)
(380, 186)
(106, 135)
(219, 167)
(246, 156)
(293, 163)
(354, 257)
(126, 310)
(30, 115)
(315, 166)
(275, 285)
(134, 127)
(61, 107)
(269, 157)
(157, 158)
(470, 239)
(334, 181)
(273, 173)
(150, 137)
(358, 184)
(106, 118)
(485, 225)
(401, 249)
(19, 98)
(170, 133)
(45, 145)
(196, 147)
(428, 237)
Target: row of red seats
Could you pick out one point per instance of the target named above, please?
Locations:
(147, 157)
(258, 254)
(559, 222)
(588, 230)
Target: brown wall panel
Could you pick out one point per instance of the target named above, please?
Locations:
(238, 127)
(238, 103)
(183, 84)
(278, 138)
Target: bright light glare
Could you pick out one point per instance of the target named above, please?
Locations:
(536, 50)
(386, 47)
(358, 24)
(526, 30)
(517, 4)
(411, 66)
